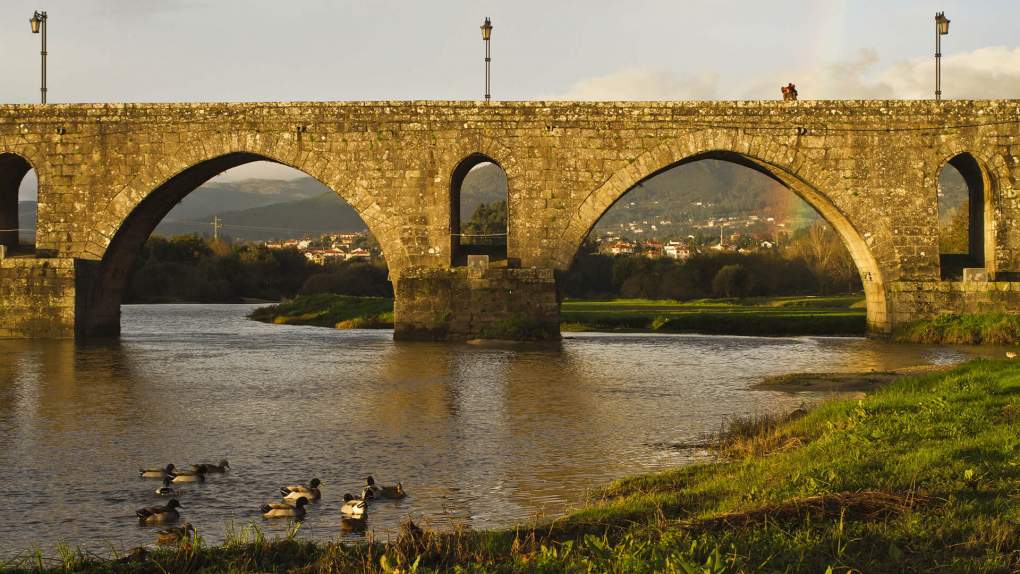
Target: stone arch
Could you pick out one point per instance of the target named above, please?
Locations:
(102, 282)
(982, 196)
(459, 248)
(668, 156)
(13, 169)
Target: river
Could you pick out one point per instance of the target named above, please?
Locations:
(481, 436)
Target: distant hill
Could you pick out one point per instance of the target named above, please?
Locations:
(307, 217)
(195, 213)
(484, 184)
(722, 189)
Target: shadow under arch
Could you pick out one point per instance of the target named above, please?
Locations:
(981, 217)
(102, 283)
(460, 249)
(13, 169)
(867, 266)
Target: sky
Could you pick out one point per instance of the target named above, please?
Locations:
(327, 50)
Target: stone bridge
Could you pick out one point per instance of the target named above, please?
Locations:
(108, 173)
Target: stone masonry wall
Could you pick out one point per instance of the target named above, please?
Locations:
(921, 300)
(469, 303)
(37, 298)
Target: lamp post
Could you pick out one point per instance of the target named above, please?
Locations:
(486, 35)
(941, 29)
(39, 23)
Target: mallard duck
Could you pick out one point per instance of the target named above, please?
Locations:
(359, 525)
(396, 491)
(220, 468)
(354, 508)
(156, 472)
(166, 489)
(175, 534)
(188, 476)
(159, 514)
(284, 510)
(295, 491)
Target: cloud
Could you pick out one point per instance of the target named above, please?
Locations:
(985, 73)
(992, 72)
(849, 79)
(644, 84)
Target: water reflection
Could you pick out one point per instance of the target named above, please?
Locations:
(479, 435)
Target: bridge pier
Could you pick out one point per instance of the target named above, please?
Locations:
(37, 297)
(476, 302)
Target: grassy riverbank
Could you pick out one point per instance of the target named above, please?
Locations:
(966, 329)
(920, 476)
(832, 315)
(329, 310)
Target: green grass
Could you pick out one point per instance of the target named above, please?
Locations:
(964, 329)
(834, 315)
(329, 310)
(920, 476)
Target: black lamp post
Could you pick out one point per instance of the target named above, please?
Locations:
(941, 29)
(486, 35)
(38, 22)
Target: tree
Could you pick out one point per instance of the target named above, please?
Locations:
(954, 230)
(732, 281)
(489, 219)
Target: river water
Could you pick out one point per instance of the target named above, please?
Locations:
(482, 436)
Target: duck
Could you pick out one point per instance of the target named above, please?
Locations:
(355, 508)
(166, 489)
(356, 525)
(295, 491)
(175, 534)
(220, 468)
(188, 476)
(159, 514)
(284, 510)
(1010, 354)
(394, 492)
(156, 472)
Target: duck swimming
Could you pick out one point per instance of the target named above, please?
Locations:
(393, 492)
(220, 468)
(354, 508)
(156, 472)
(159, 514)
(295, 491)
(284, 510)
(189, 476)
(166, 489)
(175, 534)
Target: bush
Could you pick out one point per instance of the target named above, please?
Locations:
(732, 281)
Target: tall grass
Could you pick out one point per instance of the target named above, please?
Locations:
(963, 329)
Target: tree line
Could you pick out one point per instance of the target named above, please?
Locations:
(196, 269)
(192, 268)
(815, 261)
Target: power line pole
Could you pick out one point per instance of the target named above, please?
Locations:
(216, 225)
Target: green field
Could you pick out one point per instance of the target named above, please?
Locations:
(832, 315)
(922, 475)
